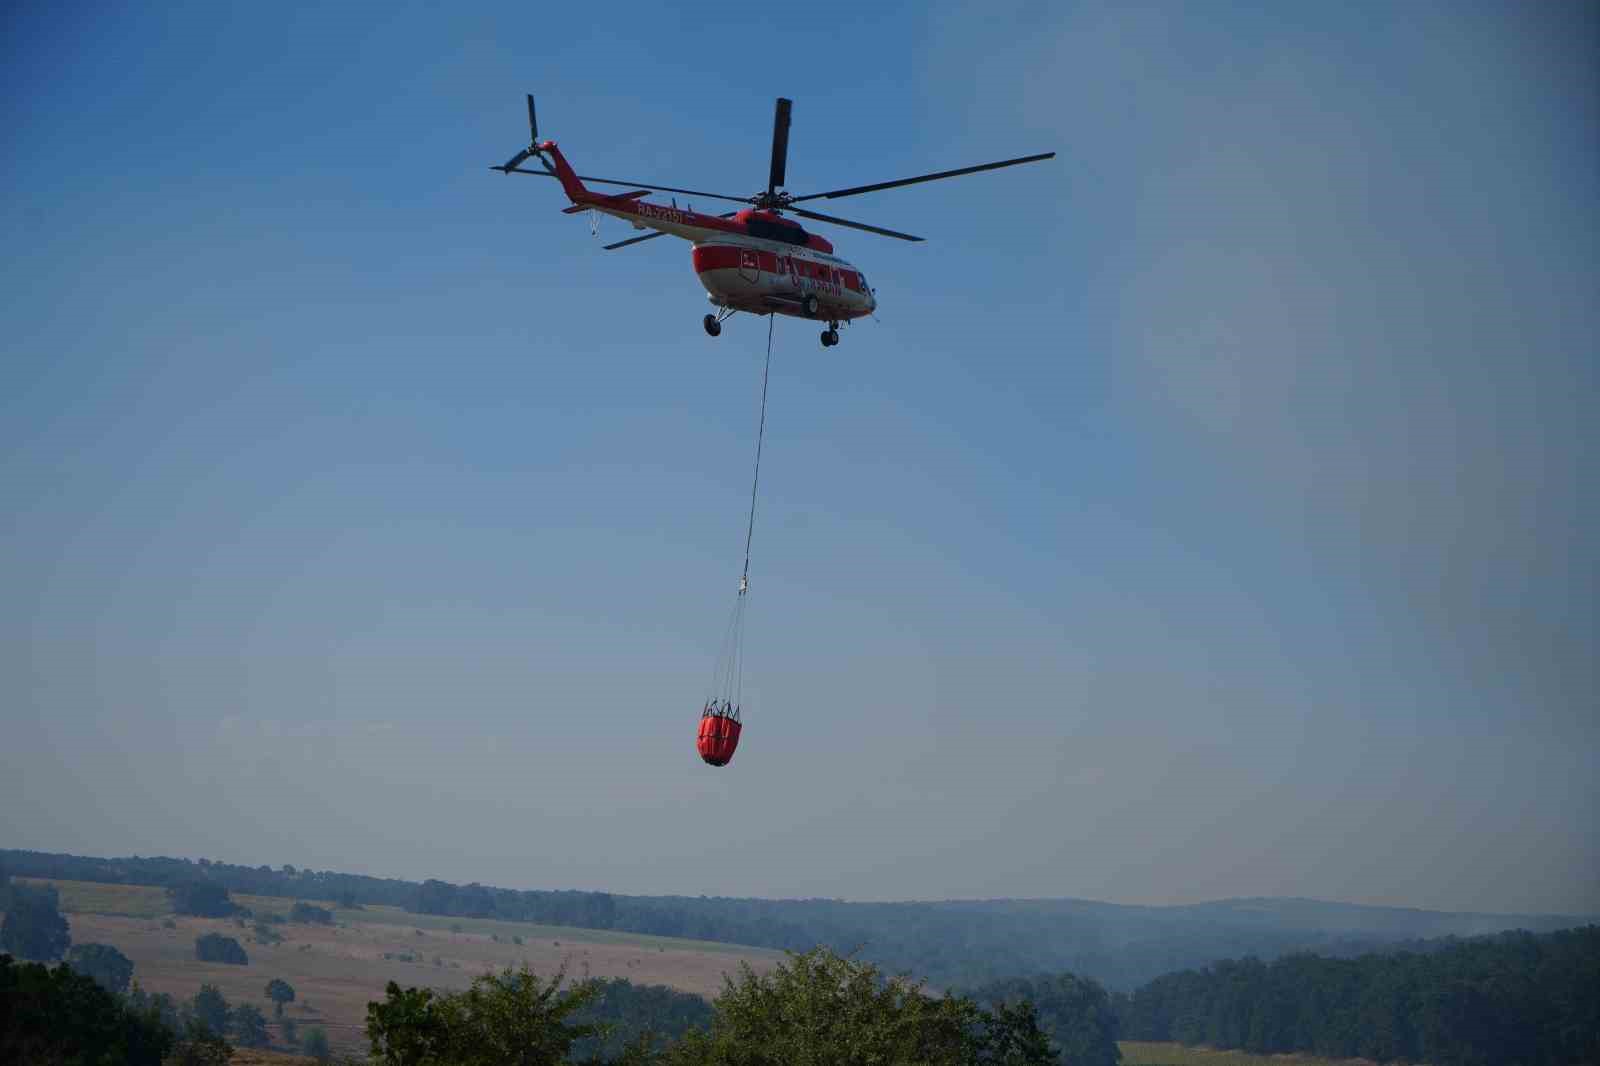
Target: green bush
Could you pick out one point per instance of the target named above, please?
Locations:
(203, 899)
(214, 947)
(34, 927)
(315, 1043)
(248, 1025)
(59, 1015)
(310, 914)
(110, 967)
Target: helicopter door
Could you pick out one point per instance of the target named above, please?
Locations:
(750, 265)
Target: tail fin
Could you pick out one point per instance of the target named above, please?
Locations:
(562, 170)
(573, 185)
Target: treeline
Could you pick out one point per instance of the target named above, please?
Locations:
(252, 880)
(1510, 998)
(958, 943)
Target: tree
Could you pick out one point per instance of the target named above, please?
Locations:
(199, 1046)
(820, 1009)
(214, 947)
(280, 992)
(248, 1025)
(1075, 1012)
(315, 1043)
(203, 899)
(410, 1027)
(1011, 1036)
(512, 1017)
(61, 1016)
(210, 1008)
(33, 926)
(110, 967)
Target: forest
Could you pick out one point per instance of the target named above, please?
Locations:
(951, 944)
(1511, 997)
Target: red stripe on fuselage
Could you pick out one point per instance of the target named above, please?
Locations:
(730, 257)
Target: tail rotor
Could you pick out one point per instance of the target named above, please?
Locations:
(530, 152)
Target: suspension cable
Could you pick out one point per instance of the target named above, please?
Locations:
(755, 481)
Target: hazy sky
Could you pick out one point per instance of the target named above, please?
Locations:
(1205, 516)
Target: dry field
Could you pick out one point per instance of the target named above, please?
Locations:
(1140, 1053)
(336, 970)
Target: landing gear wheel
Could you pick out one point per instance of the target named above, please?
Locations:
(809, 305)
(713, 327)
(830, 338)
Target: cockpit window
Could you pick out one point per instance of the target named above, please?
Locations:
(772, 231)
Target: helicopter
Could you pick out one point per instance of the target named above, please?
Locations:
(752, 259)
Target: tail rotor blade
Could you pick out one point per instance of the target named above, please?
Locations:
(533, 123)
(514, 162)
(780, 145)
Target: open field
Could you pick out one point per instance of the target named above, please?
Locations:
(1140, 1053)
(336, 970)
(90, 897)
(244, 1056)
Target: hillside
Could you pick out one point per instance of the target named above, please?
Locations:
(337, 969)
(958, 942)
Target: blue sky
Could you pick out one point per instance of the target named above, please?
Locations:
(1204, 516)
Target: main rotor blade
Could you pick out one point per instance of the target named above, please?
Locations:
(631, 184)
(533, 122)
(853, 225)
(634, 240)
(858, 189)
(780, 145)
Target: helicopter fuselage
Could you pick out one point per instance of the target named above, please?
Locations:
(752, 260)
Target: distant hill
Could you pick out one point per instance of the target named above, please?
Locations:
(951, 943)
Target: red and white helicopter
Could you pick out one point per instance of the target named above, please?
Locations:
(753, 259)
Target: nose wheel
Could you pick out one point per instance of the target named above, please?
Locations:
(713, 327)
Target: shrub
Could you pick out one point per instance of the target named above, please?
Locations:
(108, 966)
(310, 914)
(210, 1009)
(214, 947)
(33, 927)
(60, 1015)
(203, 899)
(315, 1043)
(249, 1025)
